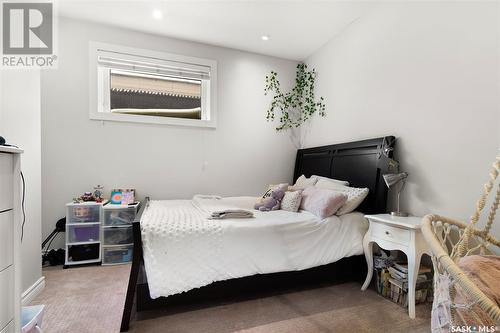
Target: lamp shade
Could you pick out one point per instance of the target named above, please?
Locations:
(392, 179)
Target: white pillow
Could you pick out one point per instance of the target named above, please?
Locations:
(355, 195)
(302, 182)
(330, 185)
(291, 201)
(341, 182)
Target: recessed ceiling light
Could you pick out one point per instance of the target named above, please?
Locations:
(264, 37)
(157, 14)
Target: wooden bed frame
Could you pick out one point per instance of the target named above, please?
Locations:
(361, 163)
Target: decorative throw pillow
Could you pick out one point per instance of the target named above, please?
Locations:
(302, 182)
(341, 182)
(355, 195)
(291, 201)
(322, 202)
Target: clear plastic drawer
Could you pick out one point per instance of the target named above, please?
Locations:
(83, 233)
(83, 253)
(117, 255)
(117, 235)
(119, 216)
(84, 213)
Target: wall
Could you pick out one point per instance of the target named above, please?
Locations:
(428, 73)
(20, 125)
(239, 157)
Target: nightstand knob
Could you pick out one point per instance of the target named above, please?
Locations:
(387, 233)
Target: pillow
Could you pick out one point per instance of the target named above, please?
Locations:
(355, 195)
(341, 182)
(291, 201)
(330, 185)
(283, 186)
(322, 202)
(302, 182)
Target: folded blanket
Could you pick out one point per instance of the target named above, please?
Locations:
(216, 209)
(230, 214)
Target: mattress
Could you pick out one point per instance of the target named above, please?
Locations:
(184, 250)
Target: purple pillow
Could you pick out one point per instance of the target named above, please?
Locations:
(322, 202)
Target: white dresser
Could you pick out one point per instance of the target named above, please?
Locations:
(10, 234)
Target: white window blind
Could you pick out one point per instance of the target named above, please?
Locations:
(152, 65)
(147, 86)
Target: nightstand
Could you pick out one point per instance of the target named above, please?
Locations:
(396, 233)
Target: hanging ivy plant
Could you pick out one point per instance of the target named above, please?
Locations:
(295, 107)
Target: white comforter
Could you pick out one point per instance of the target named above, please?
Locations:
(184, 250)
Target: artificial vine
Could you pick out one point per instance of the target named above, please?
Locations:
(296, 106)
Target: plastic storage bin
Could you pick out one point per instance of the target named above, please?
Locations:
(31, 318)
(82, 213)
(117, 235)
(83, 233)
(119, 216)
(117, 255)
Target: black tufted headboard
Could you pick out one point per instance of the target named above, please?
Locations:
(361, 163)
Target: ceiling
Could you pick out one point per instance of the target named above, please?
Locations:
(295, 28)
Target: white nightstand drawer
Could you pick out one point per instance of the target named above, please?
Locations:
(6, 181)
(6, 239)
(7, 296)
(392, 234)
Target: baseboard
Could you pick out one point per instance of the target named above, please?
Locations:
(30, 293)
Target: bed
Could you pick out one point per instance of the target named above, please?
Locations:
(192, 256)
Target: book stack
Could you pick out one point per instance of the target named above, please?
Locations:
(383, 284)
(398, 281)
(381, 264)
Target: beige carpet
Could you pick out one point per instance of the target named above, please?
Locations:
(90, 299)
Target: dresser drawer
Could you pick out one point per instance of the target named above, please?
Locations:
(7, 296)
(9, 328)
(6, 239)
(389, 233)
(6, 181)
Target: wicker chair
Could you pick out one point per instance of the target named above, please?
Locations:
(457, 300)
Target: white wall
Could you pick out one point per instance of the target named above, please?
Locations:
(243, 154)
(428, 73)
(20, 125)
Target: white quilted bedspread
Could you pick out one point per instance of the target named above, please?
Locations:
(184, 250)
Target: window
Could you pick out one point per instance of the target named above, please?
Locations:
(151, 87)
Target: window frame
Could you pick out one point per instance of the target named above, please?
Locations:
(99, 87)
